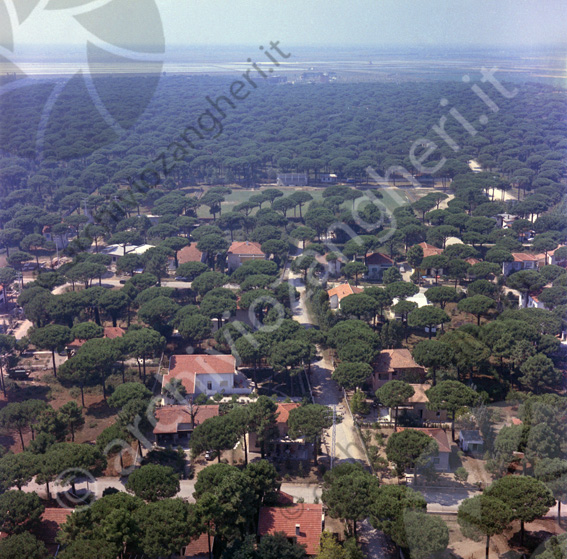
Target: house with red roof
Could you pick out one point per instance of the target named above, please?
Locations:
(522, 261)
(338, 293)
(207, 374)
(430, 250)
(396, 364)
(377, 263)
(110, 332)
(416, 408)
(302, 523)
(51, 521)
(283, 447)
(176, 423)
(190, 254)
(199, 547)
(441, 461)
(240, 252)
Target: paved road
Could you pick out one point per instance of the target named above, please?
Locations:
(308, 492)
(115, 282)
(325, 390)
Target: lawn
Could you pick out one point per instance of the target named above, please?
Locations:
(391, 197)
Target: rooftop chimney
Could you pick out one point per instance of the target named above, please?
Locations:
(297, 532)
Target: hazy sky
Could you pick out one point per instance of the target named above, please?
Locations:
(366, 22)
(293, 22)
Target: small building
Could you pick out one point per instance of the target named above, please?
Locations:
(199, 547)
(430, 250)
(190, 254)
(116, 251)
(470, 440)
(283, 447)
(338, 293)
(301, 523)
(505, 220)
(377, 263)
(110, 332)
(419, 299)
(328, 178)
(207, 374)
(176, 423)
(534, 302)
(441, 461)
(396, 364)
(292, 179)
(331, 267)
(61, 240)
(416, 407)
(241, 252)
(522, 261)
(551, 258)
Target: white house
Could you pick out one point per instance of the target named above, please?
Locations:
(339, 292)
(328, 178)
(377, 264)
(243, 251)
(522, 261)
(207, 374)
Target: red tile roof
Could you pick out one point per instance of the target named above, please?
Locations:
(110, 332)
(185, 367)
(524, 257)
(344, 290)
(284, 499)
(435, 433)
(198, 547)
(430, 250)
(51, 521)
(169, 417)
(379, 259)
(285, 519)
(391, 359)
(283, 415)
(246, 248)
(189, 254)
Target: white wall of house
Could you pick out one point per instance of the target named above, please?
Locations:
(214, 383)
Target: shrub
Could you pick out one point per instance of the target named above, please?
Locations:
(461, 474)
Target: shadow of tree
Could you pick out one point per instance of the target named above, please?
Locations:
(100, 410)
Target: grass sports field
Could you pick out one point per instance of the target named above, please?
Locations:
(392, 197)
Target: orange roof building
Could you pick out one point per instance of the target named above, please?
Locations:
(175, 422)
(396, 364)
(339, 292)
(190, 254)
(51, 521)
(207, 374)
(198, 548)
(282, 416)
(522, 261)
(110, 332)
(240, 252)
(303, 523)
(430, 250)
(441, 461)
